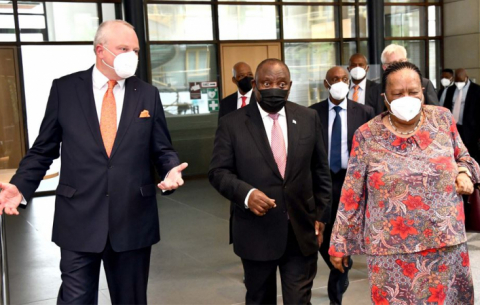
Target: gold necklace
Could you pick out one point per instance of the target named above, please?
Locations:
(408, 132)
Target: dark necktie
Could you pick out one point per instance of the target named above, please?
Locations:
(336, 142)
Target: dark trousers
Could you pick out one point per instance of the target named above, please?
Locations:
(296, 272)
(126, 272)
(337, 281)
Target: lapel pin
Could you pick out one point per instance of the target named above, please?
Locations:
(294, 122)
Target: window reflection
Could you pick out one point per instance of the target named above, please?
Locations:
(308, 64)
(405, 21)
(180, 22)
(174, 67)
(309, 22)
(241, 22)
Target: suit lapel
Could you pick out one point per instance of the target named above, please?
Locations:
(84, 89)
(351, 116)
(292, 132)
(128, 111)
(256, 128)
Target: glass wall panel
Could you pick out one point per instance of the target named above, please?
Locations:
(241, 22)
(7, 28)
(363, 21)
(305, 22)
(348, 22)
(434, 20)
(108, 11)
(308, 63)
(53, 61)
(434, 62)
(180, 22)
(64, 21)
(174, 67)
(405, 21)
(415, 51)
(348, 48)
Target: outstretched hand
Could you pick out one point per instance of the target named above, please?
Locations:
(174, 178)
(10, 198)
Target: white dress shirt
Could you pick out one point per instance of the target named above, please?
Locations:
(462, 107)
(361, 91)
(239, 98)
(268, 123)
(343, 115)
(100, 86)
(444, 94)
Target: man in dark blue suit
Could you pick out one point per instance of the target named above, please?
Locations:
(111, 127)
(340, 117)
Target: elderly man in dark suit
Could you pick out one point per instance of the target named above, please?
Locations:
(394, 53)
(242, 78)
(111, 127)
(340, 118)
(269, 158)
(463, 100)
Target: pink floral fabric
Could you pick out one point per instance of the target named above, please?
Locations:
(434, 276)
(399, 193)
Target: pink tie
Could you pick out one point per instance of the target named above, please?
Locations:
(278, 145)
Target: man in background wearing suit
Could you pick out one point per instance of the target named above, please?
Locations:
(269, 158)
(393, 53)
(362, 90)
(447, 81)
(463, 100)
(242, 78)
(111, 127)
(340, 118)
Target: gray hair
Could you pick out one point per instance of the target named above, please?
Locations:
(102, 32)
(391, 49)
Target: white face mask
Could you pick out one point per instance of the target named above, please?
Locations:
(445, 82)
(338, 90)
(405, 108)
(124, 64)
(460, 85)
(358, 73)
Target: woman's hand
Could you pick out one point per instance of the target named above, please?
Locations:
(464, 184)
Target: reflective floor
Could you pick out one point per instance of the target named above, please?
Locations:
(192, 264)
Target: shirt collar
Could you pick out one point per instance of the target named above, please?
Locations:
(342, 105)
(100, 80)
(248, 94)
(362, 84)
(264, 114)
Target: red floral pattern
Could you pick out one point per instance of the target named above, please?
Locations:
(409, 269)
(399, 193)
(437, 294)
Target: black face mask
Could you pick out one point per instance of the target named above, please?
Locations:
(245, 84)
(273, 100)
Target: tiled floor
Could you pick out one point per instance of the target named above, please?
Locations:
(193, 264)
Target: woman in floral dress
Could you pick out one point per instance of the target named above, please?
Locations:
(401, 202)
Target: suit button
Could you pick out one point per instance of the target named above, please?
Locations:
(284, 187)
(110, 166)
(107, 195)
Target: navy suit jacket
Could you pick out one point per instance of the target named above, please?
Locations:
(100, 197)
(471, 115)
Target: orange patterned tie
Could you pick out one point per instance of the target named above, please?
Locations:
(355, 93)
(108, 119)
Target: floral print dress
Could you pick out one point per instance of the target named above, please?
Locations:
(399, 206)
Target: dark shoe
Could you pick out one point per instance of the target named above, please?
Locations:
(333, 303)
